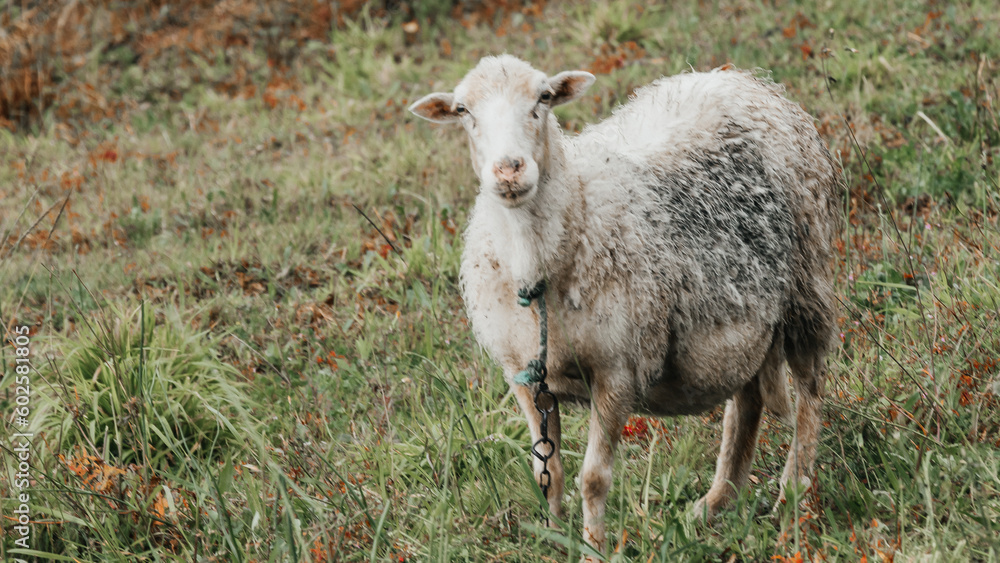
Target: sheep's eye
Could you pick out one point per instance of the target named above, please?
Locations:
(545, 98)
(460, 109)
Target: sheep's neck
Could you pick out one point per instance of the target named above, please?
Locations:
(531, 240)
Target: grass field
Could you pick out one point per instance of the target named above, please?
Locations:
(229, 361)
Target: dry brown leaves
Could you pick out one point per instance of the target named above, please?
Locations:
(126, 490)
(249, 277)
(612, 58)
(44, 47)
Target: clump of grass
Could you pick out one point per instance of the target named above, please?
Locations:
(135, 453)
(131, 392)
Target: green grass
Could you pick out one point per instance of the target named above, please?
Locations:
(233, 364)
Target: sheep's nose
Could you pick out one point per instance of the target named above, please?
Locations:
(509, 169)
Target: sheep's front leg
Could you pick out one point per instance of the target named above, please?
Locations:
(526, 398)
(608, 415)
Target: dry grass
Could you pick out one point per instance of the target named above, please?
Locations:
(205, 168)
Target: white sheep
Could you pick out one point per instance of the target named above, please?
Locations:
(686, 244)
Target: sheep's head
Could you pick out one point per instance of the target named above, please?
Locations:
(504, 105)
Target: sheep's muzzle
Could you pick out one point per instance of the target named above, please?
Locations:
(509, 173)
(509, 169)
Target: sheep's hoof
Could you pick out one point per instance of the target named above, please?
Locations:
(702, 510)
(796, 491)
(591, 559)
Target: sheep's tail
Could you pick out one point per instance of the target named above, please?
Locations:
(808, 327)
(810, 319)
(804, 340)
(773, 382)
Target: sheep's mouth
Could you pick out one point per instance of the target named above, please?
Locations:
(514, 194)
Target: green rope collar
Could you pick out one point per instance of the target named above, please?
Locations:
(535, 372)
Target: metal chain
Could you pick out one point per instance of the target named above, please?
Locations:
(545, 401)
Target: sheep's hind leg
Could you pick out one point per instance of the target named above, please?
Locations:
(807, 374)
(739, 441)
(526, 398)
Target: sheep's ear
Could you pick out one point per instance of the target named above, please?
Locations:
(437, 107)
(570, 85)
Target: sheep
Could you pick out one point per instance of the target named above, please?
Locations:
(686, 243)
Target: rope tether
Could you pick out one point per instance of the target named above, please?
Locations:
(545, 402)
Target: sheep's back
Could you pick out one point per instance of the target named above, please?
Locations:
(721, 235)
(728, 186)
